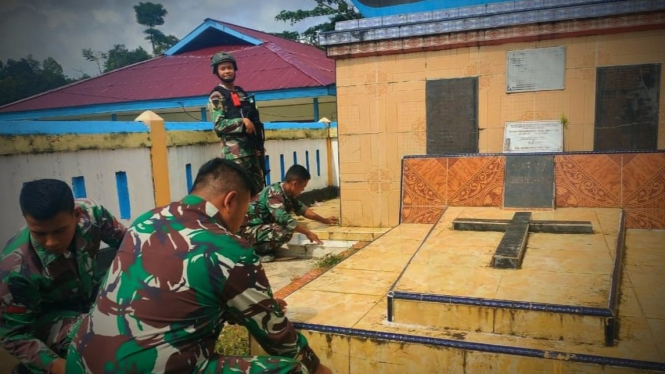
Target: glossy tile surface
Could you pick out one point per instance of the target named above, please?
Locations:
(555, 270)
(633, 181)
(562, 269)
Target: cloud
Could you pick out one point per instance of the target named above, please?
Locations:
(62, 28)
(104, 16)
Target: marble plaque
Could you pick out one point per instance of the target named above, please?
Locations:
(533, 137)
(538, 69)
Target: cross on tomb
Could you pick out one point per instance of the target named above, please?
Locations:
(510, 252)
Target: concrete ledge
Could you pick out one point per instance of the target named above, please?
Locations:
(42, 143)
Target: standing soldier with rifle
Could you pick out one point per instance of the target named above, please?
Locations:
(236, 120)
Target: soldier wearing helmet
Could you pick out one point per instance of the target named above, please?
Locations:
(236, 120)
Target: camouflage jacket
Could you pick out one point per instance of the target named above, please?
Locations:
(273, 205)
(229, 126)
(34, 281)
(174, 282)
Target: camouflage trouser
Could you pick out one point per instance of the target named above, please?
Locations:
(253, 168)
(56, 329)
(255, 365)
(266, 238)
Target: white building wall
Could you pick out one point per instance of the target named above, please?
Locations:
(98, 169)
(180, 158)
(197, 155)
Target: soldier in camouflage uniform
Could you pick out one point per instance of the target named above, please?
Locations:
(236, 120)
(269, 223)
(49, 275)
(180, 274)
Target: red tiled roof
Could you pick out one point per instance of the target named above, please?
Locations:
(276, 64)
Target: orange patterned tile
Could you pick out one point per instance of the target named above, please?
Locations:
(425, 181)
(476, 181)
(588, 180)
(644, 180)
(421, 214)
(641, 218)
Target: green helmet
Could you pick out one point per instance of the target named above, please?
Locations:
(220, 57)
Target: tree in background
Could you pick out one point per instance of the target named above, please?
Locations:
(147, 14)
(95, 56)
(161, 42)
(115, 58)
(335, 10)
(151, 15)
(120, 56)
(26, 77)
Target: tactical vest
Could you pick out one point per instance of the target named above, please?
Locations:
(246, 109)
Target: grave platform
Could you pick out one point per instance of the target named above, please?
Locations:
(344, 312)
(424, 298)
(563, 290)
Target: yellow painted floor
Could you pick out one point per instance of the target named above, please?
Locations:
(353, 294)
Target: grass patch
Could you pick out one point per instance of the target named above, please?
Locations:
(328, 261)
(233, 341)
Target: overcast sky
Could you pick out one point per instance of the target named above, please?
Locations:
(62, 28)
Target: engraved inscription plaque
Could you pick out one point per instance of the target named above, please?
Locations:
(533, 137)
(627, 107)
(529, 182)
(452, 116)
(536, 69)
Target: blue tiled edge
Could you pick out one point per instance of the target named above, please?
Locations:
(474, 18)
(491, 303)
(482, 347)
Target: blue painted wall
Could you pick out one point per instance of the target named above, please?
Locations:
(420, 6)
(69, 127)
(106, 127)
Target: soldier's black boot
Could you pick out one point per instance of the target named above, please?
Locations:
(20, 369)
(266, 251)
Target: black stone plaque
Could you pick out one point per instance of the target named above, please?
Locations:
(529, 182)
(452, 116)
(627, 102)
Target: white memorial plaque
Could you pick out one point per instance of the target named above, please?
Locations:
(536, 69)
(533, 137)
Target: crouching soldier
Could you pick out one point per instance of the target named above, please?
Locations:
(179, 276)
(49, 275)
(269, 223)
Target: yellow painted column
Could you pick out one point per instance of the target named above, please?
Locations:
(326, 122)
(158, 156)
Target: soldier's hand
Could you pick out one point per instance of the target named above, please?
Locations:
(322, 370)
(282, 304)
(332, 220)
(58, 366)
(314, 238)
(249, 126)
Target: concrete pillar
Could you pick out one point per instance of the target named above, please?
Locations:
(158, 156)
